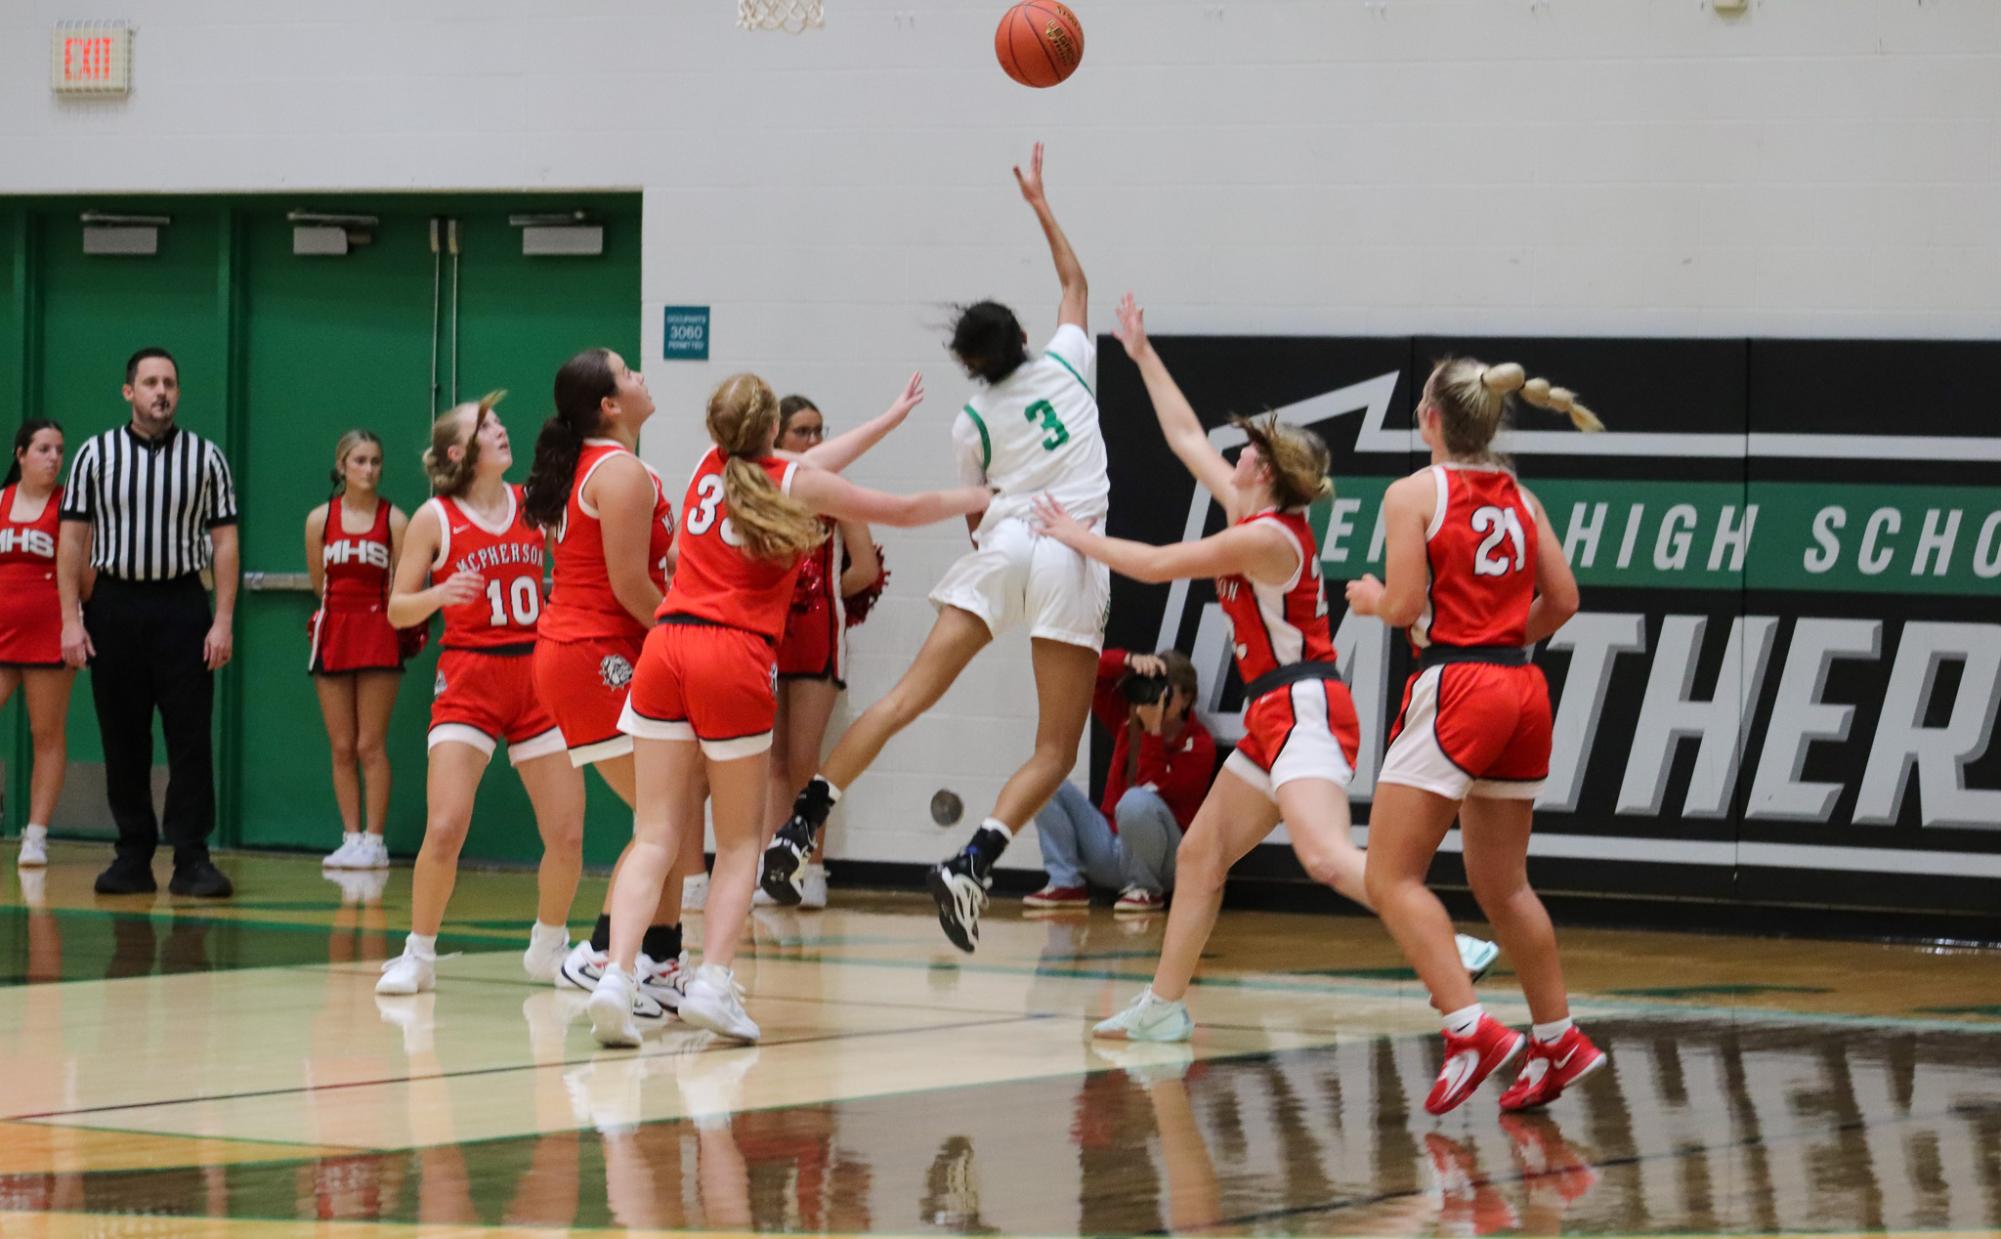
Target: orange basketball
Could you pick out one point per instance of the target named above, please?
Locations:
(1039, 43)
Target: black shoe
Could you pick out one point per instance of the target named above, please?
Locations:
(785, 862)
(201, 879)
(960, 890)
(127, 876)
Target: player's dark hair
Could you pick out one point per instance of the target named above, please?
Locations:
(987, 340)
(582, 385)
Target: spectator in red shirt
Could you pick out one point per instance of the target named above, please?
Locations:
(1162, 762)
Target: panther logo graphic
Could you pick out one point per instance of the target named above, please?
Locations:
(615, 671)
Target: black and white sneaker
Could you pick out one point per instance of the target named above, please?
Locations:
(784, 874)
(961, 894)
(664, 983)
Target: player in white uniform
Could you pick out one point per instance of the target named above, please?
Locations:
(1031, 430)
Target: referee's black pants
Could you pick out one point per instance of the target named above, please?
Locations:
(148, 637)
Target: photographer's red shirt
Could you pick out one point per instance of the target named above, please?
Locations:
(1180, 768)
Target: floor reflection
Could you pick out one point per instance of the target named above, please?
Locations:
(1765, 1125)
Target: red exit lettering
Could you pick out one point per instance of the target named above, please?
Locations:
(86, 60)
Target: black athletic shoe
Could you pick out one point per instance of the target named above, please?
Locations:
(784, 874)
(201, 879)
(960, 890)
(127, 876)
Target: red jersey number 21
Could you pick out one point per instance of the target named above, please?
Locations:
(1498, 524)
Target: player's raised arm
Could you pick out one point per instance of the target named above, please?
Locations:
(1178, 423)
(1074, 307)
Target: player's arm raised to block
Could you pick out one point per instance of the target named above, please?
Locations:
(1075, 306)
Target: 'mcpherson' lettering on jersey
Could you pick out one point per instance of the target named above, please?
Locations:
(374, 554)
(500, 554)
(35, 542)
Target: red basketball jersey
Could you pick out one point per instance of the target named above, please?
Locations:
(28, 548)
(582, 606)
(1481, 548)
(509, 556)
(357, 564)
(1278, 625)
(716, 579)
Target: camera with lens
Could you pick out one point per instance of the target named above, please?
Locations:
(1143, 690)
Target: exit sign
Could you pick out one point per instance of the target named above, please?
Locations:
(90, 58)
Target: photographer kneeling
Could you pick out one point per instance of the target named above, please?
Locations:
(1162, 762)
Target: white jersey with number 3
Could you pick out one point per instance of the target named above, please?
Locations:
(1036, 432)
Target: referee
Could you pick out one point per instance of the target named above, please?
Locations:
(148, 506)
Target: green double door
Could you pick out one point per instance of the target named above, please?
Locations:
(280, 354)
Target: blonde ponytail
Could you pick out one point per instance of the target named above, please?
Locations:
(1471, 399)
(451, 477)
(1297, 457)
(743, 422)
(1562, 400)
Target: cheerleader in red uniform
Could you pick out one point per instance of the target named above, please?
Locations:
(813, 653)
(31, 648)
(356, 659)
(702, 698)
(486, 562)
(1474, 571)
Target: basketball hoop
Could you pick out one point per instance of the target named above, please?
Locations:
(791, 16)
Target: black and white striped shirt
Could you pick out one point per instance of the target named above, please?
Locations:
(150, 502)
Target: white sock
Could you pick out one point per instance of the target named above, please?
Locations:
(548, 933)
(33, 832)
(833, 793)
(1553, 1031)
(994, 823)
(1462, 1022)
(423, 946)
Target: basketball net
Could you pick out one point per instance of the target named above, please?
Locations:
(791, 16)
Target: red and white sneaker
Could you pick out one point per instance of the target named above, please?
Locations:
(1469, 1060)
(1054, 896)
(1139, 900)
(1552, 1068)
(1469, 1203)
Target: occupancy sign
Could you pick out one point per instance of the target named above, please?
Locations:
(687, 334)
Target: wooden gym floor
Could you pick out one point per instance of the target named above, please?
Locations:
(170, 1067)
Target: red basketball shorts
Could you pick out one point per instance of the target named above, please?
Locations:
(705, 683)
(584, 685)
(482, 699)
(1472, 729)
(1304, 730)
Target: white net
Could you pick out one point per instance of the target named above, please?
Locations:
(791, 16)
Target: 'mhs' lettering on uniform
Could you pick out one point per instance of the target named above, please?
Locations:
(374, 554)
(34, 542)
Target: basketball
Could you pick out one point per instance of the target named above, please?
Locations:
(1039, 43)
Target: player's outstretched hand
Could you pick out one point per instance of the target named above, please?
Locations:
(913, 395)
(1131, 330)
(1052, 520)
(1031, 183)
(1365, 594)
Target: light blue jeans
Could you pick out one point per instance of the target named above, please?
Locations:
(1079, 846)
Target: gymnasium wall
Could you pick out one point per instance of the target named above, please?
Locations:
(1381, 168)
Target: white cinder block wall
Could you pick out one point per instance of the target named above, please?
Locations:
(1811, 167)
